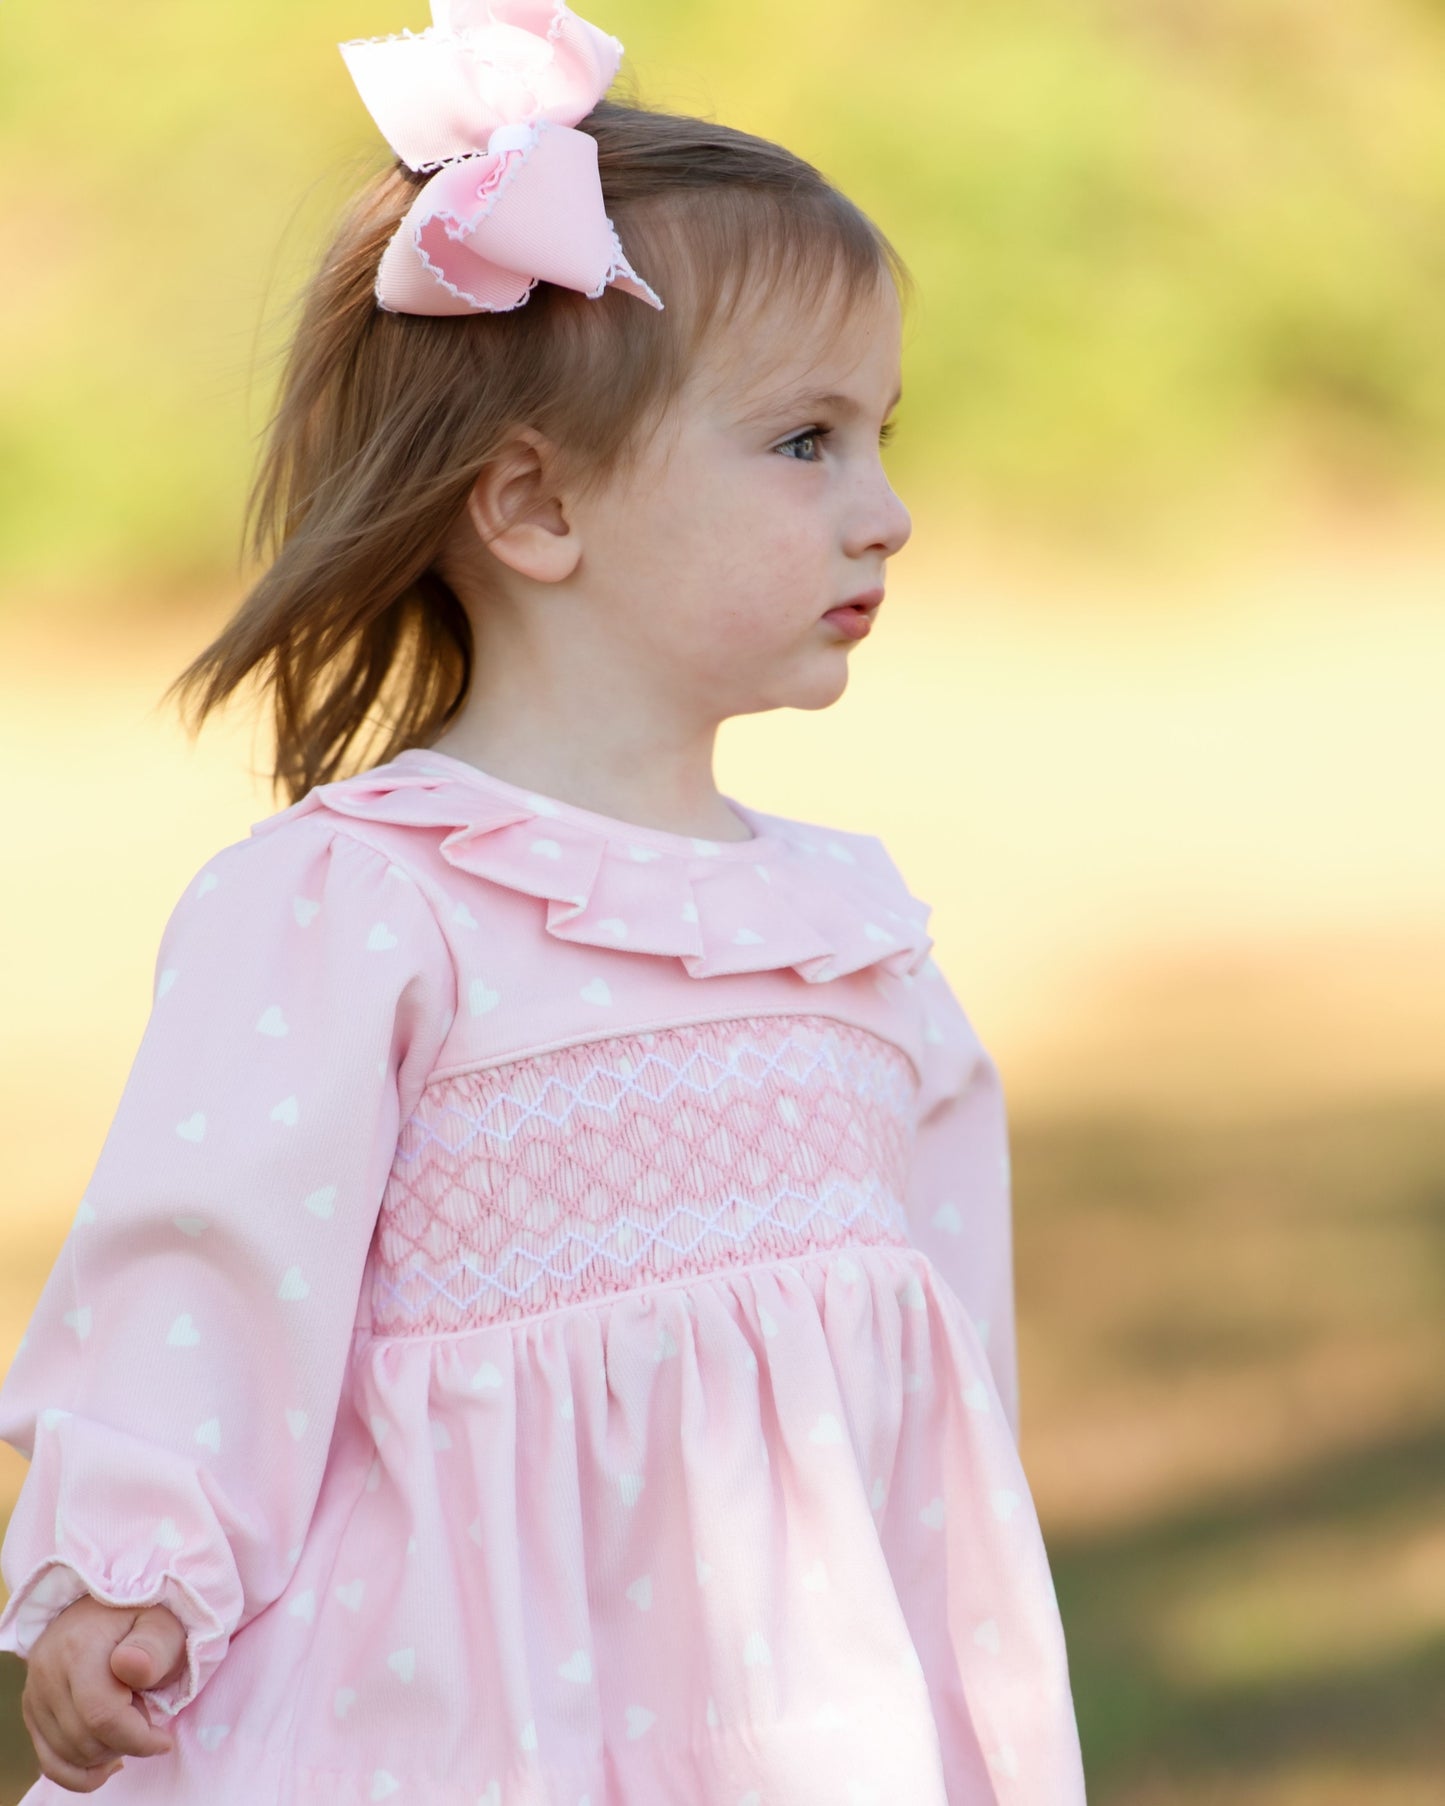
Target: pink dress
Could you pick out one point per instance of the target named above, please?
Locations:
(542, 1319)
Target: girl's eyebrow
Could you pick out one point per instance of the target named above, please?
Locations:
(789, 402)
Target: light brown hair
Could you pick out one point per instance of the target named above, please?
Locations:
(384, 421)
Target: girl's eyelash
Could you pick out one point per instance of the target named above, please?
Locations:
(885, 433)
(808, 432)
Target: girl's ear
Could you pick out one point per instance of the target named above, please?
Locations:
(521, 511)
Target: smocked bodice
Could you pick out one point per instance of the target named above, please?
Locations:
(641, 1158)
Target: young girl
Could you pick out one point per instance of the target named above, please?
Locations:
(540, 1329)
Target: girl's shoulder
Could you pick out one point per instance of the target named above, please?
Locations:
(824, 900)
(301, 888)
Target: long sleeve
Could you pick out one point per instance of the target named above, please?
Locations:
(959, 1199)
(179, 1380)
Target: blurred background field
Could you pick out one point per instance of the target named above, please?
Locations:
(1180, 260)
(1151, 717)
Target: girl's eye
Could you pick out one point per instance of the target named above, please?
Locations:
(807, 445)
(812, 439)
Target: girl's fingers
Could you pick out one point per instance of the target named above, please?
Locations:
(50, 1713)
(67, 1774)
(78, 1777)
(60, 1719)
(89, 1722)
(109, 1719)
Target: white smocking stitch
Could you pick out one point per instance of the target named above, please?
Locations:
(601, 1165)
(873, 1216)
(688, 1062)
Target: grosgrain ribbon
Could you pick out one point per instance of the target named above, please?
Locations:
(488, 96)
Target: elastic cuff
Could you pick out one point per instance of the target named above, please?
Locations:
(55, 1583)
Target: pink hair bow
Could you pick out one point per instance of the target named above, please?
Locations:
(488, 96)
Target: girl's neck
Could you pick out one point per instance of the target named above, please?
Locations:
(675, 794)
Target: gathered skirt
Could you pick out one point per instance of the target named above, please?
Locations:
(755, 1538)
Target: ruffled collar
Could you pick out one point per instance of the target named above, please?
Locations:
(819, 900)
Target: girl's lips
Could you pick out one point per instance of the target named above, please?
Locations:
(855, 618)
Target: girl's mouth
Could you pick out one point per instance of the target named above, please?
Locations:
(855, 618)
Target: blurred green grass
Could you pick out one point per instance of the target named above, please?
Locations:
(1270, 1632)
(1179, 258)
(1235, 1429)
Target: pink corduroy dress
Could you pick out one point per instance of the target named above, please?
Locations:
(542, 1319)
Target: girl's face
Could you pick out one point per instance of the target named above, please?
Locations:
(760, 505)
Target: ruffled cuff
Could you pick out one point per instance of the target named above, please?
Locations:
(55, 1583)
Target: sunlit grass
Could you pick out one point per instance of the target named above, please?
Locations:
(1310, 1602)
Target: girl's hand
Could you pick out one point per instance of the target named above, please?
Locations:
(84, 1669)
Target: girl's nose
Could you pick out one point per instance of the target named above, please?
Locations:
(881, 522)
(899, 523)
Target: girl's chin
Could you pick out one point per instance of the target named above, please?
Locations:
(820, 686)
(808, 676)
